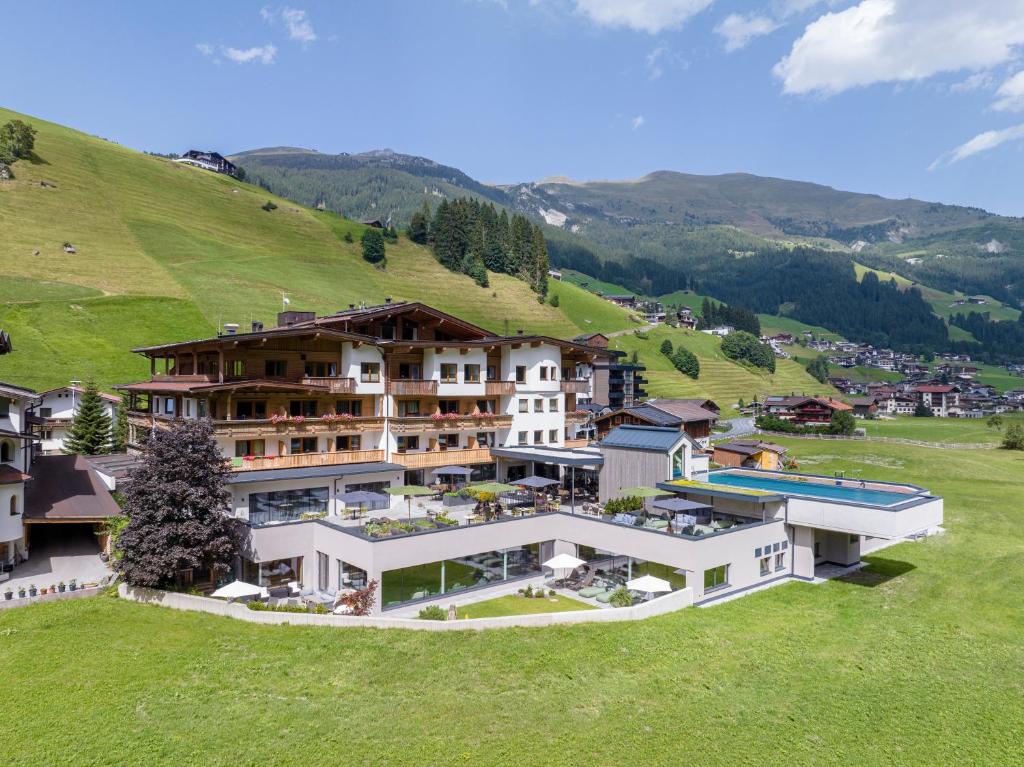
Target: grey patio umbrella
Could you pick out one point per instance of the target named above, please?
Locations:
(535, 483)
(460, 471)
(362, 497)
(679, 504)
(409, 492)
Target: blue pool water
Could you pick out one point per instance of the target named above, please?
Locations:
(814, 489)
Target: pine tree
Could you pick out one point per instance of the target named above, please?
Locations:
(539, 262)
(120, 432)
(419, 225)
(90, 432)
(176, 504)
(373, 245)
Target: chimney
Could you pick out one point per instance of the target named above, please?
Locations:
(519, 331)
(387, 299)
(257, 326)
(230, 328)
(351, 306)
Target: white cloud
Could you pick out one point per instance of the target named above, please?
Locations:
(879, 41)
(205, 48)
(650, 16)
(661, 60)
(1010, 96)
(295, 20)
(739, 30)
(976, 82)
(299, 26)
(638, 122)
(265, 54)
(983, 142)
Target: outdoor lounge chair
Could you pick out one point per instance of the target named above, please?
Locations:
(604, 597)
(590, 592)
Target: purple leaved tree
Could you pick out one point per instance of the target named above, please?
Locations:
(176, 502)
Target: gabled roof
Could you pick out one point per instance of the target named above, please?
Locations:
(936, 388)
(65, 487)
(654, 438)
(17, 392)
(291, 331)
(686, 410)
(79, 390)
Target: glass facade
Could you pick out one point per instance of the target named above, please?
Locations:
(277, 572)
(287, 505)
(618, 567)
(454, 575)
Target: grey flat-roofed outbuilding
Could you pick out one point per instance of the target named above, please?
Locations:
(556, 455)
(657, 438)
(339, 470)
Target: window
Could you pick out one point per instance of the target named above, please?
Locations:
(780, 561)
(275, 368)
(201, 408)
(554, 373)
(448, 406)
(14, 505)
(410, 331)
(5, 407)
(524, 406)
(323, 566)
(304, 407)
(408, 408)
(486, 406)
(553, 435)
(169, 405)
(245, 409)
(520, 373)
(485, 439)
(543, 373)
(387, 330)
(405, 444)
(522, 438)
(716, 578)
(303, 445)
(553, 405)
(471, 373)
(286, 505)
(348, 442)
(538, 405)
(46, 412)
(765, 562)
(538, 437)
(354, 407)
(6, 452)
(188, 408)
(409, 371)
(244, 447)
(449, 373)
(817, 549)
(236, 368)
(492, 372)
(448, 441)
(369, 372)
(321, 369)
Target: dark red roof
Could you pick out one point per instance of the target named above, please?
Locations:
(9, 475)
(65, 488)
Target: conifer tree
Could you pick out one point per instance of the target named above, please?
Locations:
(119, 441)
(90, 432)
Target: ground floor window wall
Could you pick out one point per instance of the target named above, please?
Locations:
(276, 572)
(623, 568)
(455, 575)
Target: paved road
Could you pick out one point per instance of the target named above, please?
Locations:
(738, 427)
(628, 331)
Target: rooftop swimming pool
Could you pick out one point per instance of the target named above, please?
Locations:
(815, 488)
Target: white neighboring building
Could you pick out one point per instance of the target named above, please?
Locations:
(15, 465)
(57, 410)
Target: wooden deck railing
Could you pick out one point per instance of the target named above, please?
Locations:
(575, 385)
(434, 458)
(498, 388)
(412, 387)
(333, 384)
(306, 460)
(428, 423)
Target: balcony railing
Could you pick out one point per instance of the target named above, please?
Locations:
(497, 388)
(576, 385)
(431, 459)
(418, 424)
(266, 427)
(574, 443)
(412, 387)
(306, 460)
(334, 384)
(574, 417)
(187, 378)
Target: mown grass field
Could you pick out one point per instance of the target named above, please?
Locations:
(913, 661)
(939, 429)
(720, 378)
(516, 604)
(167, 252)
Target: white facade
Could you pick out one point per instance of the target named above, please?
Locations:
(58, 407)
(15, 460)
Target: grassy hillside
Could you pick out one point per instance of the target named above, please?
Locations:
(721, 379)
(167, 252)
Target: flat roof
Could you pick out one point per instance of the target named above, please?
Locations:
(561, 456)
(719, 491)
(65, 488)
(339, 470)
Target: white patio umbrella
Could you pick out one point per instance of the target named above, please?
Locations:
(649, 585)
(238, 589)
(564, 562)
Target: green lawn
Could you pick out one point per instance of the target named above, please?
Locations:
(516, 604)
(913, 661)
(938, 429)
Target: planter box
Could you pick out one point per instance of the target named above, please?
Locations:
(456, 500)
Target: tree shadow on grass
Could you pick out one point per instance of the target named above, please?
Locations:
(877, 572)
(35, 159)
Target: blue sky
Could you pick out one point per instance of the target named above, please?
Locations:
(921, 98)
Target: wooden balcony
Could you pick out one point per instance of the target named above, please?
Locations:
(498, 388)
(576, 385)
(577, 418)
(187, 378)
(333, 384)
(412, 387)
(309, 426)
(574, 443)
(420, 424)
(307, 460)
(434, 458)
